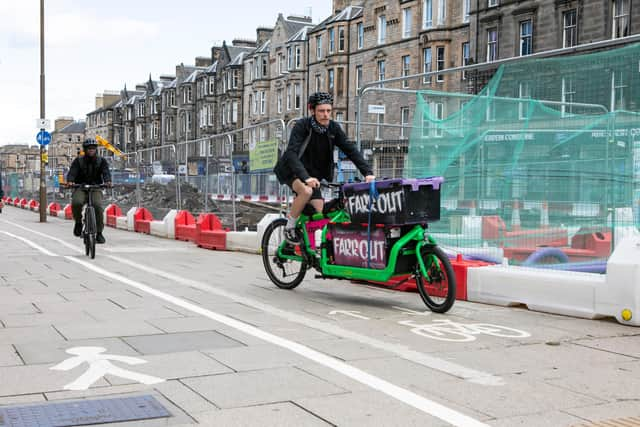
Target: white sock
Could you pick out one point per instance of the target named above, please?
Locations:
(291, 222)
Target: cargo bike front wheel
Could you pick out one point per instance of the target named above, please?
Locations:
(435, 279)
(282, 261)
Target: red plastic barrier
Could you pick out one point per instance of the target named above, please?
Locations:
(185, 227)
(68, 214)
(112, 213)
(16, 202)
(460, 267)
(209, 232)
(24, 203)
(54, 208)
(34, 205)
(494, 228)
(142, 221)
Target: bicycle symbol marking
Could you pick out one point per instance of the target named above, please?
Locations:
(448, 330)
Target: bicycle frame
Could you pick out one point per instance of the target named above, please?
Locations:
(416, 234)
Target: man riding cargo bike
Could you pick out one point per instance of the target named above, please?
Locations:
(373, 231)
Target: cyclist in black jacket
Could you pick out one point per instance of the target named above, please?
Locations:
(308, 158)
(88, 169)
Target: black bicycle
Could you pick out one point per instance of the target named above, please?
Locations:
(89, 225)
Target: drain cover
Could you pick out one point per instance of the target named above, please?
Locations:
(83, 412)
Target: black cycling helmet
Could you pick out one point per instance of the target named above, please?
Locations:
(320, 98)
(90, 142)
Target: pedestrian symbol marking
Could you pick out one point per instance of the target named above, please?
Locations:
(99, 366)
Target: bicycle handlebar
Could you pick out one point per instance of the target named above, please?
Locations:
(87, 186)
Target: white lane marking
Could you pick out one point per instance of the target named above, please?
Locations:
(55, 239)
(30, 243)
(448, 330)
(139, 249)
(451, 368)
(99, 366)
(412, 312)
(351, 313)
(403, 395)
(402, 351)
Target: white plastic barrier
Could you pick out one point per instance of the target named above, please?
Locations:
(550, 291)
(243, 241)
(131, 218)
(121, 223)
(264, 223)
(166, 227)
(620, 296)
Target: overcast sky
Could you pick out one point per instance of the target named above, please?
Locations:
(92, 46)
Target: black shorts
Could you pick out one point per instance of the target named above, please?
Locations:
(316, 194)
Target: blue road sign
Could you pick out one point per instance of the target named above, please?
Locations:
(43, 137)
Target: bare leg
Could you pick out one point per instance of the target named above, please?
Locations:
(317, 204)
(303, 192)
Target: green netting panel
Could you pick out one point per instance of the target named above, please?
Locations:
(543, 163)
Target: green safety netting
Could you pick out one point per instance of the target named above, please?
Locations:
(543, 164)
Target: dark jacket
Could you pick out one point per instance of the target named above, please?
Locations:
(317, 160)
(85, 170)
(1, 189)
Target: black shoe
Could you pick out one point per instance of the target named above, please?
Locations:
(291, 236)
(77, 229)
(100, 238)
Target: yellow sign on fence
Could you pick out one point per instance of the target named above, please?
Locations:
(263, 155)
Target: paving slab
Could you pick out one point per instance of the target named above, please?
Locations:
(602, 381)
(175, 366)
(31, 334)
(54, 352)
(20, 379)
(627, 346)
(185, 341)
(271, 415)
(367, 408)
(8, 356)
(113, 328)
(533, 357)
(22, 399)
(256, 357)
(185, 398)
(260, 387)
(606, 411)
(45, 319)
(545, 419)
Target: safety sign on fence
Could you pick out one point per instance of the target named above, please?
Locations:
(263, 155)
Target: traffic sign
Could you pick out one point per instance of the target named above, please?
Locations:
(43, 124)
(376, 109)
(43, 137)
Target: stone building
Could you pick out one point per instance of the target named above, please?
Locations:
(66, 142)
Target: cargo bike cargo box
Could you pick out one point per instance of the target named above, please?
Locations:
(399, 201)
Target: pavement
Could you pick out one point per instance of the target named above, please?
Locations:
(216, 343)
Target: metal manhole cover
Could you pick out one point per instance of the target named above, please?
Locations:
(83, 412)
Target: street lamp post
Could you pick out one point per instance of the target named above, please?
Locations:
(43, 182)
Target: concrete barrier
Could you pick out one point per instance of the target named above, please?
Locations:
(243, 241)
(166, 227)
(620, 295)
(121, 223)
(264, 223)
(548, 291)
(131, 218)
